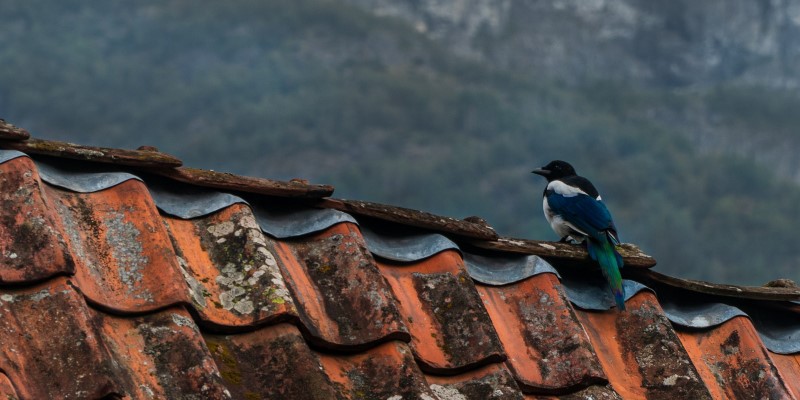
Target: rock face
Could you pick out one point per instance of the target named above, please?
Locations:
(670, 44)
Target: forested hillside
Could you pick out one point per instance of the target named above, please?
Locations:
(336, 93)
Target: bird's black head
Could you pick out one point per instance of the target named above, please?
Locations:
(555, 170)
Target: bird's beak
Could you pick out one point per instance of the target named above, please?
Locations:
(542, 172)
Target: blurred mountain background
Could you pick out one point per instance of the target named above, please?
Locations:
(684, 113)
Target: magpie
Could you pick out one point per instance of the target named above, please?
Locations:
(576, 213)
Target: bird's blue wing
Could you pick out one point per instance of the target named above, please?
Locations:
(585, 213)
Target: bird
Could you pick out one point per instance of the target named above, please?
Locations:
(576, 212)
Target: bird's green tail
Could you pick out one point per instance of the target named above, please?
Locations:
(610, 261)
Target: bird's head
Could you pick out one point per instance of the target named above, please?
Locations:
(555, 170)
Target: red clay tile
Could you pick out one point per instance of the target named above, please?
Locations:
(492, 382)
(52, 348)
(271, 363)
(548, 349)
(592, 392)
(384, 372)
(733, 362)
(163, 356)
(32, 245)
(641, 353)
(231, 271)
(124, 256)
(451, 331)
(7, 391)
(342, 299)
(789, 370)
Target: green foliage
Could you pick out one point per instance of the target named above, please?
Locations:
(324, 91)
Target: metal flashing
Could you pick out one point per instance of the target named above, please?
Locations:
(8, 155)
(288, 222)
(505, 269)
(188, 201)
(780, 331)
(406, 248)
(84, 179)
(593, 294)
(699, 315)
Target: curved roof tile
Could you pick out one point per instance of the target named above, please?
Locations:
(148, 288)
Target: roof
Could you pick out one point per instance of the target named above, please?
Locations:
(124, 275)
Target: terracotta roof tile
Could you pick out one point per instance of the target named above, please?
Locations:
(230, 269)
(125, 258)
(789, 370)
(387, 371)
(548, 349)
(52, 348)
(450, 330)
(127, 285)
(733, 362)
(641, 353)
(7, 389)
(493, 381)
(32, 245)
(271, 363)
(343, 301)
(161, 355)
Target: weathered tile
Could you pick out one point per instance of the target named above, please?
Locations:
(492, 382)
(51, 347)
(342, 299)
(163, 356)
(593, 392)
(384, 372)
(10, 132)
(789, 370)
(596, 392)
(134, 158)
(32, 245)
(231, 272)
(7, 391)
(733, 362)
(641, 353)
(548, 349)
(271, 363)
(125, 261)
(450, 329)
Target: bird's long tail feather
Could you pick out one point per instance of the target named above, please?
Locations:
(610, 261)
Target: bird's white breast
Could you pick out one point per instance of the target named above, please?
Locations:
(557, 223)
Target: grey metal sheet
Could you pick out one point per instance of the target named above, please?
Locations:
(503, 270)
(406, 248)
(779, 330)
(287, 222)
(699, 315)
(8, 155)
(187, 201)
(593, 294)
(86, 178)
